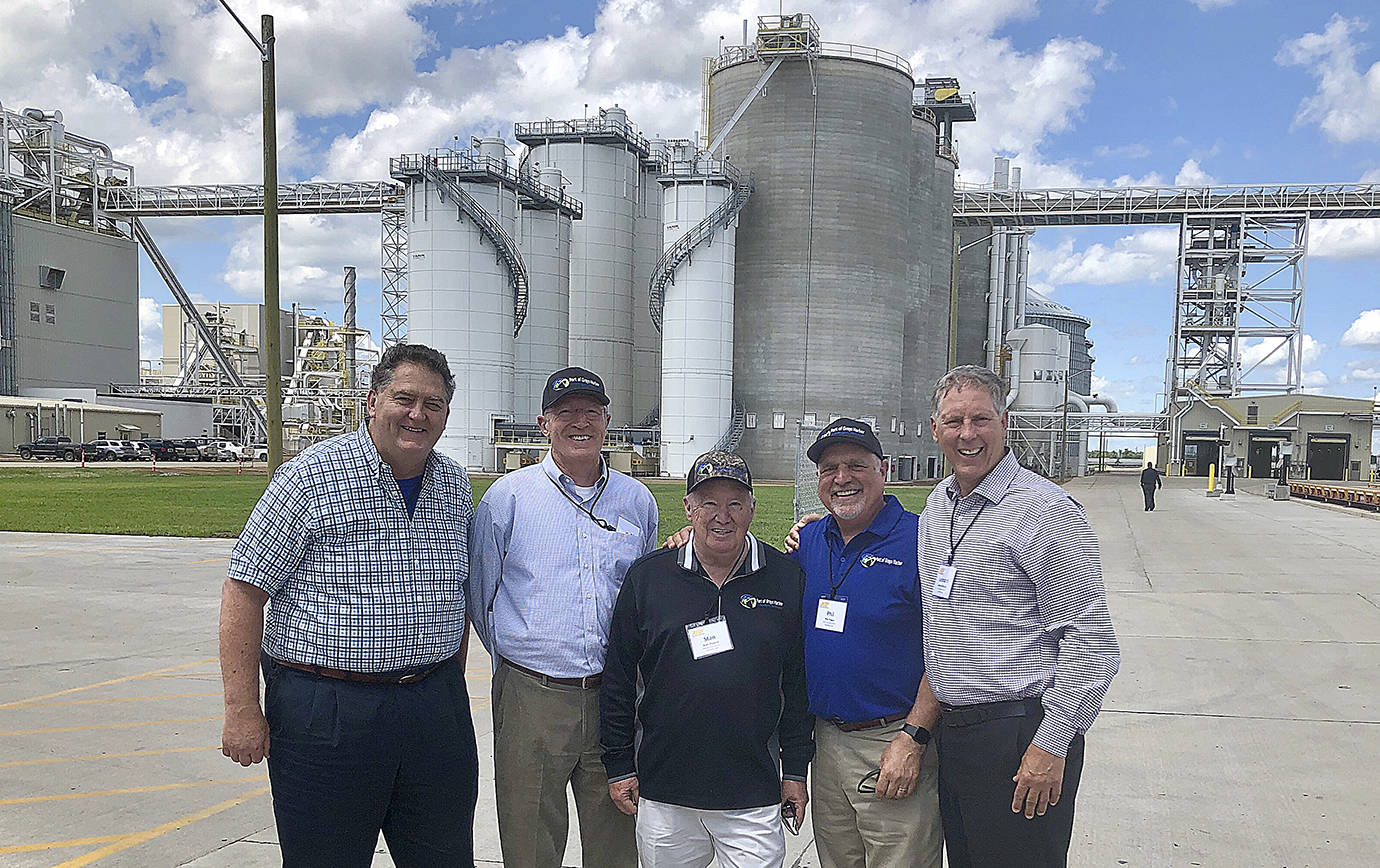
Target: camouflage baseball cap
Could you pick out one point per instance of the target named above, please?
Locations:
(718, 464)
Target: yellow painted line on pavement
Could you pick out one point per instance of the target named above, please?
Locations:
(57, 845)
(109, 726)
(149, 674)
(207, 561)
(138, 838)
(125, 791)
(118, 699)
(101, 756)
(215, 674)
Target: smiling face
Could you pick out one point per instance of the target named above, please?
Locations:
(720, 511)
(852, 484)
(576, 425)
(406, 418)
(971, 434)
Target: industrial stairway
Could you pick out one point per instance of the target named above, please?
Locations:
(703, 231)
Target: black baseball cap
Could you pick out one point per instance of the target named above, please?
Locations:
(718, 464)
(573, 381)
(845, 431)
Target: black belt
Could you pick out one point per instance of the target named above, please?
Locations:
(366, 677)
(874, 723)
(967, 715)
(584, 683)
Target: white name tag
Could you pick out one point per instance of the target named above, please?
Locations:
(708, 638)
(944, 582)
(831, 614)
(627, 527)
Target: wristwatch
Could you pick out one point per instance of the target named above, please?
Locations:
(919, 733)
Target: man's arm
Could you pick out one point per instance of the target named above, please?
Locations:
(487, 545)
(900, 767)
(795, 730)
(618, 698)
(244, 737)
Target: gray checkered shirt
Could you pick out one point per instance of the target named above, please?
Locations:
(1027, 615)
(353, 581)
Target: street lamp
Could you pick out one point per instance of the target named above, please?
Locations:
(273, 362)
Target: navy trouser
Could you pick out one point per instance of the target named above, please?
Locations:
(976, 764)
(1149, 491)
(348, 760)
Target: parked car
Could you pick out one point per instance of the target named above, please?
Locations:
(208, 450)
(161, 449)
(111, 450)
(258, 452)
(50, 447)
(187, 450)
(142, 449)
(228, 451)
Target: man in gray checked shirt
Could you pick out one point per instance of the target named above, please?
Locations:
(1018, 640)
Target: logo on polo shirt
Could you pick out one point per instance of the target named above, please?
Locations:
(748, 601)
(869, 560)
(566, 382)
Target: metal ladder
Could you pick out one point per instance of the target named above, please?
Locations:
(664, 272)
(491, 229)
(733, 437)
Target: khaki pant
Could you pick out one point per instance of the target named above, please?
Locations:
(859, 830)
(546, 736)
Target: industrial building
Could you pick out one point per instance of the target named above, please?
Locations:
(24, 420)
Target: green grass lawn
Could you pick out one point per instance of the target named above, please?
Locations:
(73, 500)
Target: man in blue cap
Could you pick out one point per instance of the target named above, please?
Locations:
(864, 665)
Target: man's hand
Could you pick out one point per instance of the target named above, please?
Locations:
(1039, 782)
(677, 539)
(793, 538)
(900, 768)
(624, 795)
(245, 736)
(793, 793)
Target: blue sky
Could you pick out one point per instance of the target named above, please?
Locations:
(1081, 92)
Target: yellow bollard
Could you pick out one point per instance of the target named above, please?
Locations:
(1212, 477)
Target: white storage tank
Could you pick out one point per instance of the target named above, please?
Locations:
(543, 342)
(697, 321)
(1042, 356)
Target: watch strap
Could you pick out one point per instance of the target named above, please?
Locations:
(918, 733)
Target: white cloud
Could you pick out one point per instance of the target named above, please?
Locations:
(1364, 331)
(313, 251)
(1209, 5)
(1192, 175)
(1133, 151)
(1344, 239)
(1371, 177)
(1148, 254)
(1314, 379)
(1263, 358)
(1346, 104)
(150, 329)
(1362, 375)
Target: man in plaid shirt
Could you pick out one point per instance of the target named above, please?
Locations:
(359, 548)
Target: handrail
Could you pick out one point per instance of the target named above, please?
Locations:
(737, 426)
(733, 55)
(677, 253)
(491, 229)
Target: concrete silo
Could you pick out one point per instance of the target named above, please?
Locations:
(464, 297)
(692, 298)
(600, 158)
(647, 245)
(543, 341)
(823, 248)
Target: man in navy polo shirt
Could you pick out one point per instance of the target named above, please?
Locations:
(864, 665)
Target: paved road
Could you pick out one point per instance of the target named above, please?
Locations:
(1242, 730)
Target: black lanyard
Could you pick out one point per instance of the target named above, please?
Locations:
(834, 588)
(953, 546)
(586, 511)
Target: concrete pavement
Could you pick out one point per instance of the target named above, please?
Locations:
(1242, 730)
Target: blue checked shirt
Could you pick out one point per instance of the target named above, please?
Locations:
(543, 576)
(1027, 615)
(354, 582)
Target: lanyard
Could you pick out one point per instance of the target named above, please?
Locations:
(953, 546)
(585, 511)
(834, 588)
(737, 565)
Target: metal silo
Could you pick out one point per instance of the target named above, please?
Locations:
(823, 249)
(462, 296)
(544, 340)
(920, 337)
(599, 158)
(647, 246)
(1040, 310)
(696, 311)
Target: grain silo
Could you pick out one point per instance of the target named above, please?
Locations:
(600, 158)
(543, 341)
(1040, 310)
(466, 284)
(647, 245)
(826, 269)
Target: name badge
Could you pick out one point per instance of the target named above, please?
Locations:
(831, 614)
(627, 527)
(710, 637)
(944, 582)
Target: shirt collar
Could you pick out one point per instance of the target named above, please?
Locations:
(995, 484)
(551, 469)
(685, 556)
(885, 520)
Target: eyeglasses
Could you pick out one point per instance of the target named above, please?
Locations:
(787, 818)
(869, 782)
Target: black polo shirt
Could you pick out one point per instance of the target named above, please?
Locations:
(706, 725)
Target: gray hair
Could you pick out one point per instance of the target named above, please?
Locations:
(971, 376)
(412, 354)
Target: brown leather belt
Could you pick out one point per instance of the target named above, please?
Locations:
(868, 724)
(584, 683)
(365, 677)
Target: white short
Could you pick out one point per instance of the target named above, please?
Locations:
(669, 836)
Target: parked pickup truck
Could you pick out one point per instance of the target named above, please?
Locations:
(50, 447)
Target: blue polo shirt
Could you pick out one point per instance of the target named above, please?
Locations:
(873, 668)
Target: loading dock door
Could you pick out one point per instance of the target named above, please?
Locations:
(1260, 454)
(1327, 455)
(1201, 449)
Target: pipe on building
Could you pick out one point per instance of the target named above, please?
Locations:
(1022, 276)
(1013, 374)
(1094, 401)
(1011, 286)
(995, 273)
